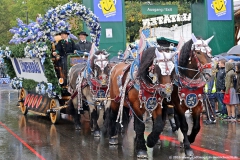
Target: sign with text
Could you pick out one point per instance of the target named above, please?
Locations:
(219, 9)
(29, 68)
(108, 10)
(159, 9)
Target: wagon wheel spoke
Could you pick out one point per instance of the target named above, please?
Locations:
(22, 97)
(54, 116)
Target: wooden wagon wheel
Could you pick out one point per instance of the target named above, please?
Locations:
(55, 117)
(22, 96)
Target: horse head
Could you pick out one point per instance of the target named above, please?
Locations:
(100, 66)
(156, 68)
(202, 54)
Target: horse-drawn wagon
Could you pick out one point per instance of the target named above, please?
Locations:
(30, 64)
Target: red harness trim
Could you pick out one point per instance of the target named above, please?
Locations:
(197, 83)
(150, 88)
(184, 92)
(96, 86)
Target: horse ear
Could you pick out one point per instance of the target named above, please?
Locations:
(208, 40)
(194, 39)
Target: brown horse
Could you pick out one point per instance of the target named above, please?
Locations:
(90, 82)
(154, 79)
(192, 70)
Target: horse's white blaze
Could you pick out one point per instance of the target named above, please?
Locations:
(101, 61)
(166, 67)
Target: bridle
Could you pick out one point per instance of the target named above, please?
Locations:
(102, 63)
(161, 61)
(201, 68)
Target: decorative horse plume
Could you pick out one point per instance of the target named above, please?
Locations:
(194, 39)
(92, 51)
(206, 42)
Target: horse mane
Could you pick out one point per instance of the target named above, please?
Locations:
(146, 61)
(185, 53)
(73, 74)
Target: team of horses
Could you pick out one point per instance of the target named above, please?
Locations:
(158, 77)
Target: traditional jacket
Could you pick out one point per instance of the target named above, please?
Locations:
(84, 46)
(229, 68)
(64, 47)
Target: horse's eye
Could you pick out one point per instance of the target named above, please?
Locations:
(198, 52)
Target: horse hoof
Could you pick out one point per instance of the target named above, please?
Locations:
(77, 127)
(142, 154)
(113, 141)
(96, 133)
(158, 142)
(189, 152)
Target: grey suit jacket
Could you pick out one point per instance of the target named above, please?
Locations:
(83, 46)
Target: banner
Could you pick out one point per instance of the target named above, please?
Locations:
(108, 10)
(29, 68)
(159, 9)
(219, 9)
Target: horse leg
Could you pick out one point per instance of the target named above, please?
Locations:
(196, 124)
(171, 118)
(184, 129)
(94, 118)
(106, 119)
(158, 125)
(113, 133)
(139, 128)
(76, 116)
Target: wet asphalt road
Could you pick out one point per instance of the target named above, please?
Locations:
(33, 137)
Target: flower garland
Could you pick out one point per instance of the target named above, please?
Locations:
(26, 33)
(38, 49)
(5, 52)
(46, 88)
(57, 16)
(53, 22)
(17, 83)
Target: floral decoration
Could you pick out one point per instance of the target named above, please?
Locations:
(38, 50)
(16, 83)
(5, 52)
(55, 21)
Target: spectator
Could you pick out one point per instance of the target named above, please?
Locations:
(215, 61)
(210, 91)
(230, 97)
(238, 80)
(220, 85)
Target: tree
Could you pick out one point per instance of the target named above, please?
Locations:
(27, 10)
